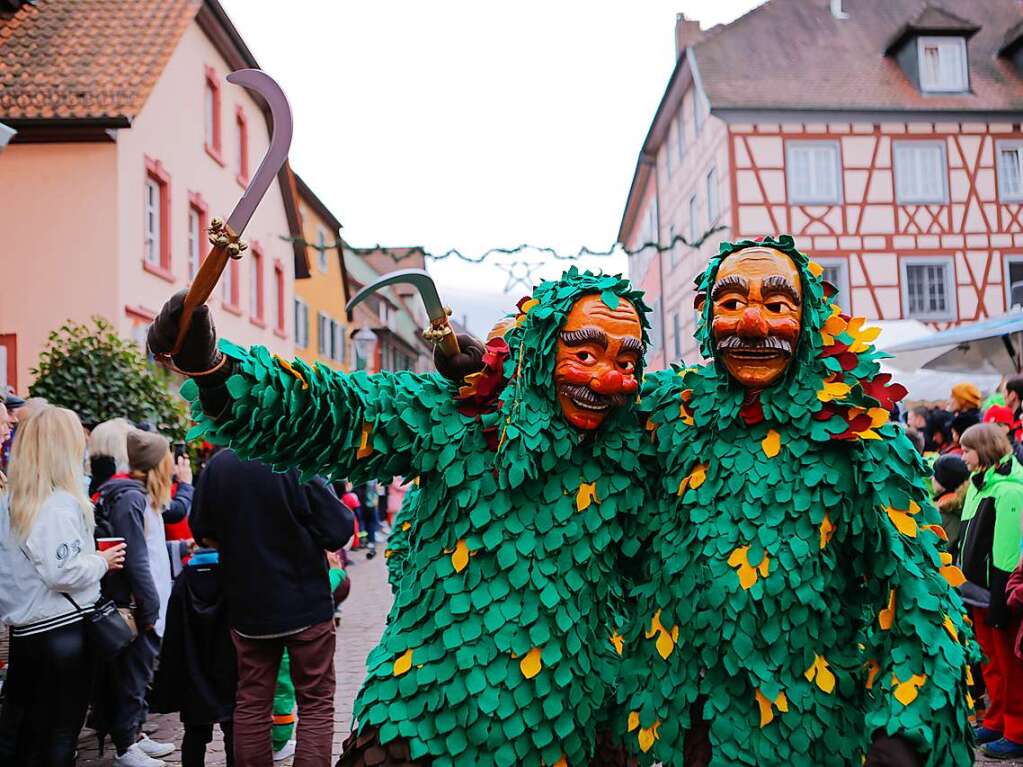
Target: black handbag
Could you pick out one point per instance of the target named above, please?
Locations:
(106, 630)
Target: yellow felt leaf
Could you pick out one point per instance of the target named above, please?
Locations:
(365, 448)
(633, 720)
(647, 736)
(747, 573)
(683, 486)
(771, 444)
(655, 625)
(868, 434)
(460, 558)
(766, 709)
(403, 663)
(833, 390)
(906, 692)
(587, 494)
(530, 665)
(619, 642)
(904, 523)
(969, 675)
(388, 553)
(878, 416)
(698, 475)
(821, 674)
(529, 306)
(827, 530)
(738, 556)
(887, 616)
(764, 566)
(953, 575)
(814, 268)
(664, 644)
(950, 628)
(782, 702)
(291, 370)
(406, 526)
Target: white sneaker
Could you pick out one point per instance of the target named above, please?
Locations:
(286, 750)
(155, 748)
(136, 757)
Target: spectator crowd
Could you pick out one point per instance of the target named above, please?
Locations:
(133, 586)
(223, 593)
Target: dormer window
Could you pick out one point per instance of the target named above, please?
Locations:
(942, 64)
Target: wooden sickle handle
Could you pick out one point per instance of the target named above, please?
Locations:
(449, 344)
(202, 286)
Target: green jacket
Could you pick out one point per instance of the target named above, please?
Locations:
(1004, 485)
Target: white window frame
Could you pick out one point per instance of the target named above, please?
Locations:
(844, 296)
(694, 214)
(322, 335)
(195, 240)
(209, 113)
(301, 311)
(899, 149)
(151, 220)
(321, 250)
(1007, 195)
(962, 83)
(713, 199)
(952, 309)
(808, 197)
(255, 267)
(1007, 259)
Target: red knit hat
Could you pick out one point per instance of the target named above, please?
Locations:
(999, 414)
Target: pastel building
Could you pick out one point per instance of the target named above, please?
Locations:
(129, 140)
(883, 134)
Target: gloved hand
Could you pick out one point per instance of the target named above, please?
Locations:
(469, 359)
(199, 352)
(892, 751)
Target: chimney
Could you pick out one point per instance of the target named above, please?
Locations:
(837, 10)
(687, 33)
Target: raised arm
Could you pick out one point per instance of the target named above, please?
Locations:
(917, 642)
(289, 414)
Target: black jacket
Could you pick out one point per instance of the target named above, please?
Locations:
(271, 532)
(197, 674)
(121, 512)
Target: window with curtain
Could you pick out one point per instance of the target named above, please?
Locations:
(920, 174)
(813, 172)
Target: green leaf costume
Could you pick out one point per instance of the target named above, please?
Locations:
(796, 597)
(500, 647)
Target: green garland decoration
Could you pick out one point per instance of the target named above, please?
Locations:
(502, 644)
(797, 595)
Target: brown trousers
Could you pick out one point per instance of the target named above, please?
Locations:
(312, 671)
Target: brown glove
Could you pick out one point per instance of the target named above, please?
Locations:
(469, 359)
(892, 751)
(199, 353)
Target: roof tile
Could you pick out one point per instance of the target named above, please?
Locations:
(86, 58)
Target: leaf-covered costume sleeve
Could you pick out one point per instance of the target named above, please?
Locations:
(917, 640)
(323, 421)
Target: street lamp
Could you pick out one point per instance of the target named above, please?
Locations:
(365, 347)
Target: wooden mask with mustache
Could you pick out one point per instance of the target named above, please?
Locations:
(756, 315)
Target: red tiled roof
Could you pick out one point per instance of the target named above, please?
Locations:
(86, 58)
(793, 54)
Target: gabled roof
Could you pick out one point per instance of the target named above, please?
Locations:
(314, 202)
(932, 21)
(70, 70)
(87, 58)
(794, 55)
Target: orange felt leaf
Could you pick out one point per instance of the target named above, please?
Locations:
(887, 616)
(904, 523)
(633, 720)
(562, 762)
(820, 673)
(814, 268)
(827, 530)
(747, 574)
(647, 736)
(938, 530)
(531, 664)
(406, 526)
(618, 641)
(771, 444)
(953, 575)
(906, 692)
(950, 628)
(587, 494)
(460, 558)
(872, 670)
(291, 370)
(365, 448)
(403, 663)
(766, 709)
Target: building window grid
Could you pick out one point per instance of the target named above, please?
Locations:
(836, 271)
(301, 310)
(194, 241)
(280, 319)
(242, 124)
(1013, 281)
(256, 293)
(921, 173)
(943, 64)
(680, 138)
(321, 250)
(813, 171)
(928, 289)
(153, 224)
(211, 110)
(1010, 170)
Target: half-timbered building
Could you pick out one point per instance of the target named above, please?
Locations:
(884, 135)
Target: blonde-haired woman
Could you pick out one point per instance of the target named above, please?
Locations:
(47, 561)
(108, 452)
(131, 507)
(990, 550)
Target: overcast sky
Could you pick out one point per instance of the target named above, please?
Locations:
(472, 124)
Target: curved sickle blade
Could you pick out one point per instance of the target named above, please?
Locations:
(417, 278)
(280, 142)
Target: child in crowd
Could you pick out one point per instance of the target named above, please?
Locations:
(950, 474)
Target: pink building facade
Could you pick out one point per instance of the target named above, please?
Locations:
(109, 196)
(890, 148)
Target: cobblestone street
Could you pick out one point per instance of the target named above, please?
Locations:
(361, 623)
